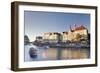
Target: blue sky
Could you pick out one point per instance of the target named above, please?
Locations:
(37, 23)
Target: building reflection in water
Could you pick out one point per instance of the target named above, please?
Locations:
(66, 53)
(45, 54)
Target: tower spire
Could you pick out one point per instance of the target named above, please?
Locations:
(70, 28)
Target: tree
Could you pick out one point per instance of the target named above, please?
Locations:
(26, 40)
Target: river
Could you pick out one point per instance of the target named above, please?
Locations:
(47, 53)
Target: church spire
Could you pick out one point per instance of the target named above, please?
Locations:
(70, 28)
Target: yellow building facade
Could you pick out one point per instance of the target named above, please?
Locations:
(51, 36)
(76, 34)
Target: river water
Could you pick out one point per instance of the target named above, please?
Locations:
(47, 53)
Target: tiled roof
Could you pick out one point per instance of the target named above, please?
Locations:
(80, 28)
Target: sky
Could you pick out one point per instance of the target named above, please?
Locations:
(36, 22)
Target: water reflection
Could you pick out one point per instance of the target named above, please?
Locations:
(44, 53)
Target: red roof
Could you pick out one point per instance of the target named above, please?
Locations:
(80, 28)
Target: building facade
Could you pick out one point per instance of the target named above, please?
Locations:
(52, 37)
(76, 34)
(39, 38)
